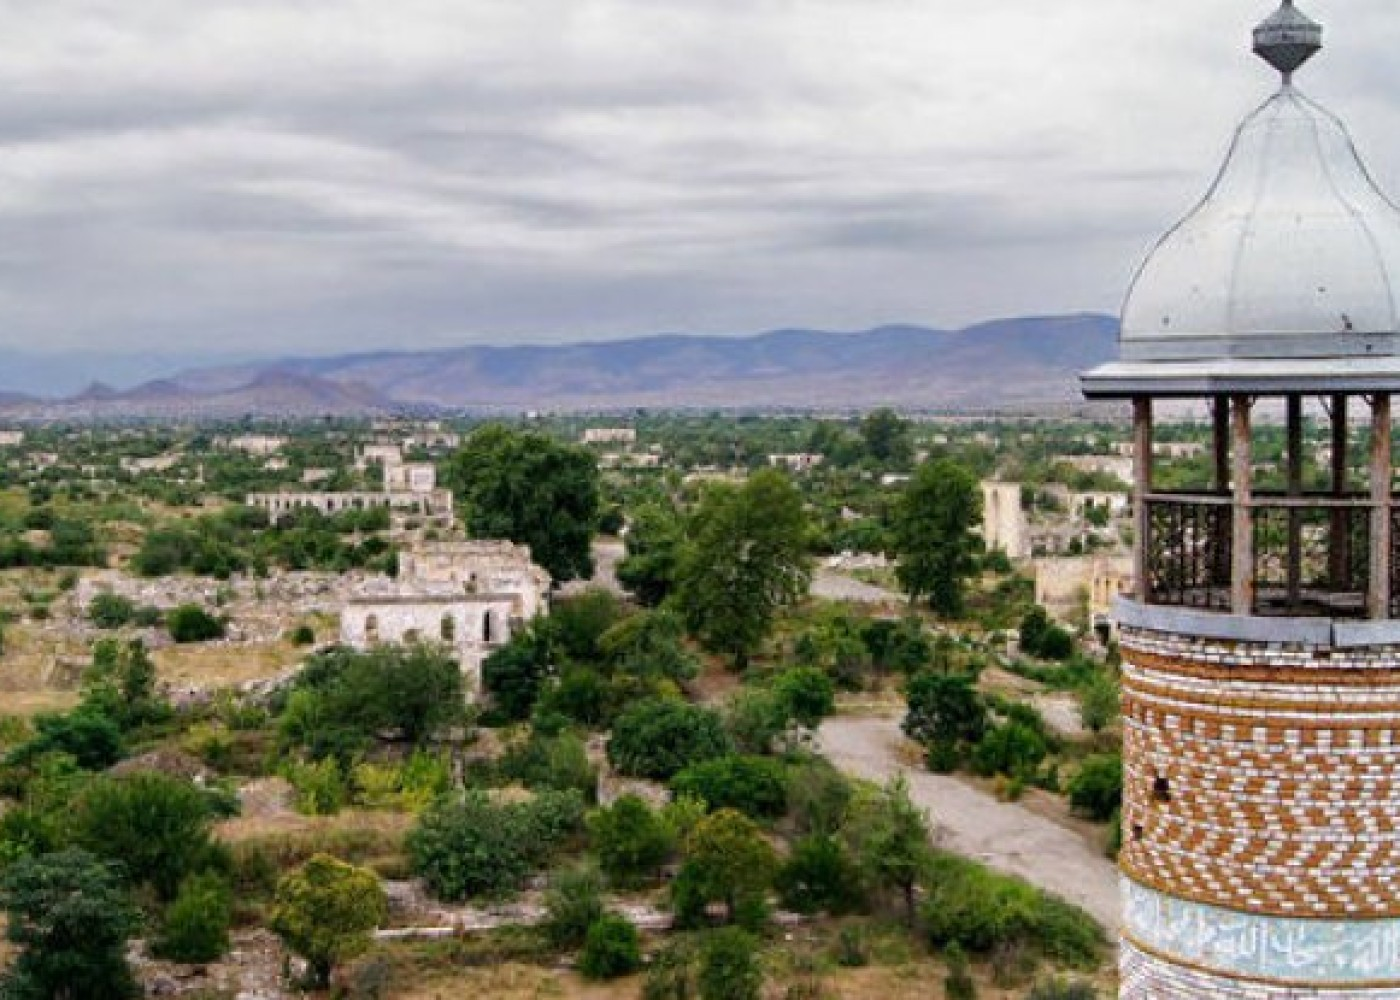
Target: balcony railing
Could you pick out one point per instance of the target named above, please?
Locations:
(1311, 553)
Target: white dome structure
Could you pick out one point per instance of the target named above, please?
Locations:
(1288, 269)
(1293, 253)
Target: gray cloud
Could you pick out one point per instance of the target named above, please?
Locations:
(328, 175)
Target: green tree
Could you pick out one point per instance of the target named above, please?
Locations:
(945, 715)
(1097, 790)
(745, 558)
(820, 875)
(70, 917)
(533, 490)
(935, 524)
(1098, 702)
(728, 861)
(195, 926)
(807, 694)
(1014, 749)
(88, 735)
(573, 903)
(657, 739)
(654, 540)
(515, 674)
(326, 911)
(729, 966)
(631, 841)
(156, 826)
(611, 948)
(889, 837)
(887, 438)
(755, 786)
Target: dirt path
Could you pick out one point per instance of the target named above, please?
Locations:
(830, 585)
(1002, 835)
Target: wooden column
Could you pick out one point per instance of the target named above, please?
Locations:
(1294, 430)
(1340, 549)
(1221, 413)
(1379, 604)
(1142, 486)
(1242, 551)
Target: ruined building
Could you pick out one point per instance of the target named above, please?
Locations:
(469, 596)
(1261, 647)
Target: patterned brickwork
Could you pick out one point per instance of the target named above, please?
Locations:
(1263, 778)
(1146, 977)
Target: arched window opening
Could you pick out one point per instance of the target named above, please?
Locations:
(449, 629)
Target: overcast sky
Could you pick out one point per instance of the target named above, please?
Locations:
(319, 176)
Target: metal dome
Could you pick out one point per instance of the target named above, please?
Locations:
(1294, 253)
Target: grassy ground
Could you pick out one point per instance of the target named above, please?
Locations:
(215, 666)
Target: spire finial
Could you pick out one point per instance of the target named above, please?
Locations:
(1287, 39)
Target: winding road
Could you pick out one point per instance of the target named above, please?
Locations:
(1002, 835)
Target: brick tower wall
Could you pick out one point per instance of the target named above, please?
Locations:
(1261, 818)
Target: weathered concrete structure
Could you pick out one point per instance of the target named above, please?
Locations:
(1004, 524)
(1261, 648)
(468, 596)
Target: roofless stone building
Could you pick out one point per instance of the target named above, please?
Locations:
(1261, 813)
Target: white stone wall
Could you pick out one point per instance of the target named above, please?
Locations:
(1004, 524)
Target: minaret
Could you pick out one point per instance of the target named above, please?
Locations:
(1261, 649)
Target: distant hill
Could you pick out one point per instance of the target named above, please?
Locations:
(1007, 364)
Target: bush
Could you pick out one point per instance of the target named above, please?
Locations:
(320, 786)
(303, 635)
(1097, 790)
(325, 912)
(755, 786)
(657, 739)
(611, 949)
(191, 623)
(808, 695)
(820, 875)
(819, 796)
(980, 910)
(70, 916)
(631, 841)
(728, 861)
(573, 904)
(671, 975)
(156, 826)
(729, 967)
(195, 927)
(110, 611)
(472, 846)
(945, 712)
(87, 735)
(958, 984)
(1014, 749)
(558, 763)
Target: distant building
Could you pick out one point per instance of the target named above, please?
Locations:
(610, 435)
(796, 463)
(11, 439)
(256, 444)
(1004, 526)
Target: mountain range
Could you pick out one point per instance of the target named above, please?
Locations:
(1014, 364)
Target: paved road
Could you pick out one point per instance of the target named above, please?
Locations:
(1002, 835)
(833, 586)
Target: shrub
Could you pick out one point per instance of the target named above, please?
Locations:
(671, 974)
(85, 734)
(573, 904)
(70, 917)
(808, 695)
(755, 786)
(755, 719)
(631, 841)
(727, 860)
(611, 949)
(325, 912)
(657, 739)
(820, 875)
(958, 984)
(110, 611)
(1097, 790)
(191, 623)
(980, 910)
(1098, 702)
(819, 796)
(471, 846)
(1014, 749)
(195, 927)
(729, 967)
(156, 826)
(303, 635)
(320, 786)
(945, 712)
(559, 763)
